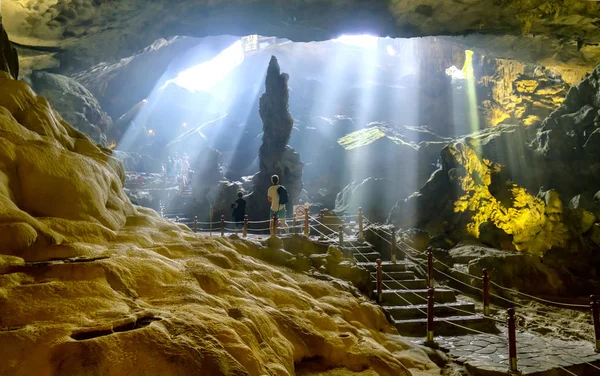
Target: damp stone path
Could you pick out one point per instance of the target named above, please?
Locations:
(487, 354)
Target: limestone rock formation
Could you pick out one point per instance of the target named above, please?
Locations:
(208, 172)
(274, 111)
(522, 28)
(9, 61)
(404, 155)
(122, 83)
(85, 274)
(474, 194)
(375, 196)
(568, 139)
(211, 191)
(74, 103)
(275, 156)
(512, 92)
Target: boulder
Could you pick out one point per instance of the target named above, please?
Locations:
(583, 213)
(416, 238)
(441, 241)
(300, 244)
(224, 195)
(492, 235)
(558, 273)
(430, 209)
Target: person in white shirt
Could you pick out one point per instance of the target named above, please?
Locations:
(273, 197)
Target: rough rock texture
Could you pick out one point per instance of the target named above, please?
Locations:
(515, 93)
(328, 260)
(208, 308)
(275, 156)
(478, 197)
(550, 32)
(9, 60)
(552, 158)
(568, 139)
(74, 103)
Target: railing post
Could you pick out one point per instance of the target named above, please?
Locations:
(379, 282)
(486, 292)
(245, 230)
(195, 223)
(222, 225)
(430, 316)
(294, 223)
(322, 226)
(394, 245)
(512, 342)
(341, 235)
(361, 236)
(275, 220)
(306, 229)
(429, 268)
(596, 319)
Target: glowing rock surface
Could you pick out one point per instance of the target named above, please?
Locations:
(534, 223)
(147, 296)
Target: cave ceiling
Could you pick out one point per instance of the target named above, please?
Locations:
(79, 33)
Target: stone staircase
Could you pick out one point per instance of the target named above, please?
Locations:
(178, 205)
(404, 296)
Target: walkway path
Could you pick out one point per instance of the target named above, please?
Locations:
(467, 336)
(488, 354)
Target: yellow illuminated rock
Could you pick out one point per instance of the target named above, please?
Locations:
(526, 86)
(535, 224)
(91, 284)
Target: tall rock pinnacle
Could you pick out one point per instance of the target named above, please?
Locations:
(275, 156)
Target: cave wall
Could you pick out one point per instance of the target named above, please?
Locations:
(74, 103)
(9, 60)
(544, 33)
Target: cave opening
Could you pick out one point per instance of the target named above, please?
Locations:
(376, 109)
(455, 141)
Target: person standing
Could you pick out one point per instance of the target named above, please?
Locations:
(239, 210)
(278, 197)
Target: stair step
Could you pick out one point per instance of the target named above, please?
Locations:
(440, 310)
(408, 297)
(370, 256)
(398, 276)
(387, 266)
(444, 326)
(409, 284)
